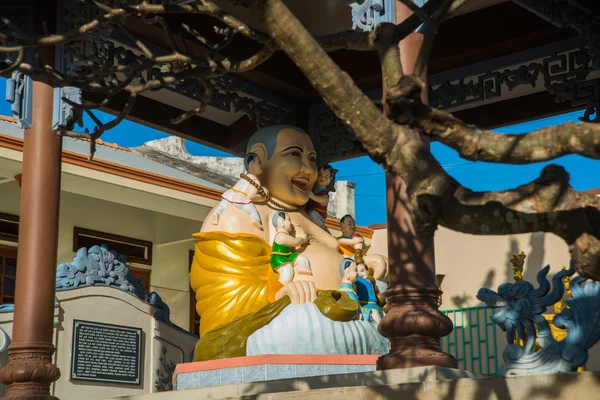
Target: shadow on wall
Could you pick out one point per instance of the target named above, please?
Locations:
(534, 260)
(533, 263)
(461, 300)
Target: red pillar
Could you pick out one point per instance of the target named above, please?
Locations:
(30, 370)
(414, 325)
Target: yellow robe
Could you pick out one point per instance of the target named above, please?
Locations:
(232, 277)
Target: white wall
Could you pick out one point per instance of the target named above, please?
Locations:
(170, 266)
(471, 262)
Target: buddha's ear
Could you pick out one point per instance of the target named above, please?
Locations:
(257, 152)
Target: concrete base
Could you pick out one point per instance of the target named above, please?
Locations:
(576, 385)
(328, 386)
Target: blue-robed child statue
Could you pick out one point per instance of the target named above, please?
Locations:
(367, 296)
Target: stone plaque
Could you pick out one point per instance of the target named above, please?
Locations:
(106, 353)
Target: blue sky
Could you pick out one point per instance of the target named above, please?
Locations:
(370, 178)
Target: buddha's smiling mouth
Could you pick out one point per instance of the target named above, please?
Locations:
(300, 183)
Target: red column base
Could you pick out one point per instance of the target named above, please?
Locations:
(414, 326)
(415, 351)
(29, 372)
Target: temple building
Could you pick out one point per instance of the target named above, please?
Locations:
(147, 269)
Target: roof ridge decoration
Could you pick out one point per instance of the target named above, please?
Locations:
(171, 151)
(98, 266)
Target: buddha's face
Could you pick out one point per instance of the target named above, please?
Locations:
(348, 227)
(291, 172)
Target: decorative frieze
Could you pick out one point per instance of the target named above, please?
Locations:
(556, 73)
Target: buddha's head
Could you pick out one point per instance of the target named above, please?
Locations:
(347, 225)
(289, 162)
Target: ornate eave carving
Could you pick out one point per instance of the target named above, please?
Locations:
(568, 75)
(571, 14)
(110, 48)
(563, 75)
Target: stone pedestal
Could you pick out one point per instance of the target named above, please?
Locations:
(268, 368)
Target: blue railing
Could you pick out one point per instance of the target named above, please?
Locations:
(473, 340)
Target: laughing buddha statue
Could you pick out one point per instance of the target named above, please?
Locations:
(245, 308)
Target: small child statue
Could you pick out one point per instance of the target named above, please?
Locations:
(367, 295)
(319, 197)
(349, 274)
(351, 243)
(283, 260)
(242, 194)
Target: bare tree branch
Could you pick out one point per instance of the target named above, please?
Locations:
(21, 42)
(208, 90)
(101, 127)
(392, 138)
(543, 144)
(547, 204)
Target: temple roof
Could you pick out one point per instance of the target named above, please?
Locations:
(114, 154)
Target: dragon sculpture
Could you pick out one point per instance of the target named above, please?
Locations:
(518, 310)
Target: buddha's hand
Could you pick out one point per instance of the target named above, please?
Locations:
(298, 291)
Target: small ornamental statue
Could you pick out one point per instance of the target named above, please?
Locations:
(319, 197)
(283, 260)
(243, 194)
(367, 291)
(351, 243)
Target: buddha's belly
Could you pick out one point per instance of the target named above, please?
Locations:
(325, 264)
